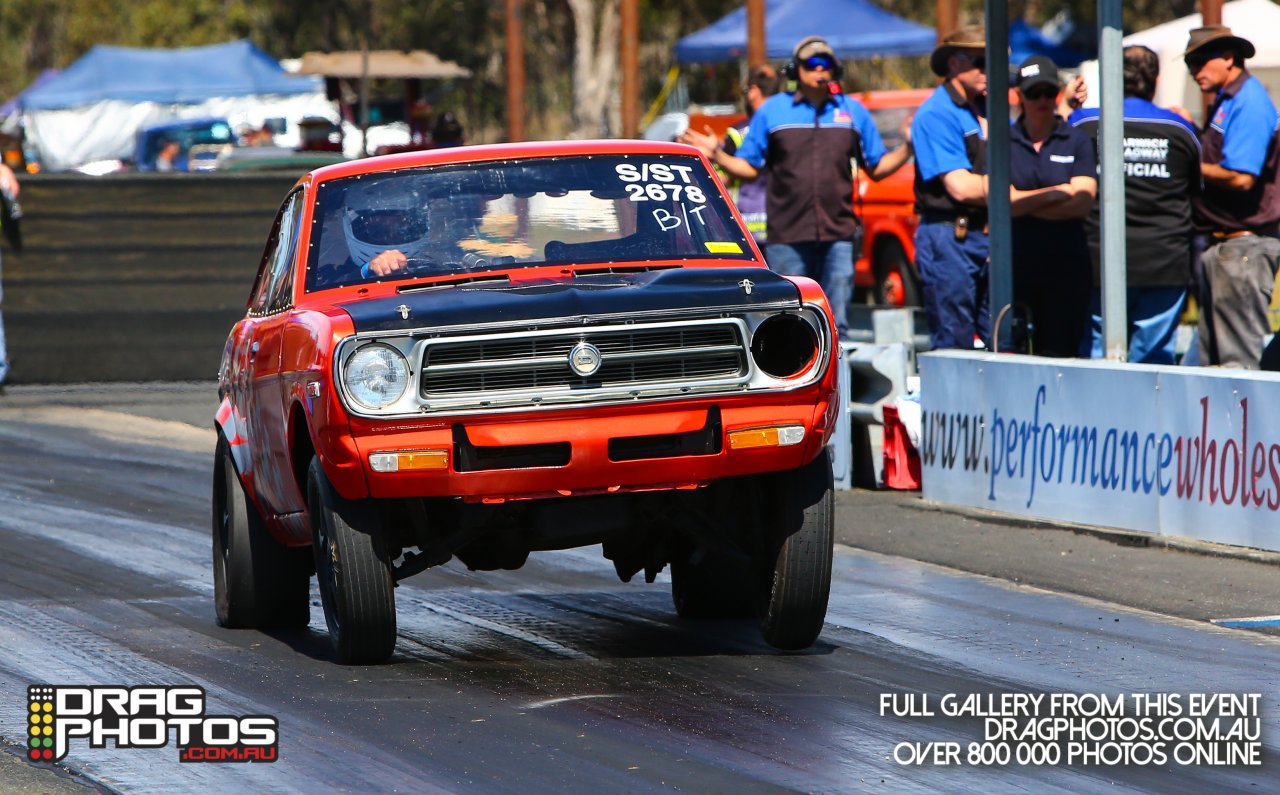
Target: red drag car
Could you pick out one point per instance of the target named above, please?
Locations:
(483, 352)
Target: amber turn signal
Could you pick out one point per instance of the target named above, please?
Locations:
(781, 436)
(409, 460)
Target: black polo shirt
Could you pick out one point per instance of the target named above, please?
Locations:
(1066, 153)
(1162, 173)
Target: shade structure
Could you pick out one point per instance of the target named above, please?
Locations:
(854, 28)
(178, 76)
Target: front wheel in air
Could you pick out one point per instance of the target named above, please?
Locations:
(798, 555)
(354, 573)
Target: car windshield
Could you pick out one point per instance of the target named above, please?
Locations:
(520, 213)
(889, 122)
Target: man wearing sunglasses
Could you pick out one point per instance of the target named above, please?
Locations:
(1240, 206)
(809, 140)
(950, 137)
(1053, 178)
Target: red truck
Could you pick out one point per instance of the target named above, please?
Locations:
(886, 269)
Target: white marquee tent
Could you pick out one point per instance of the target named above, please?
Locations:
(1255, 20)
(92, 110)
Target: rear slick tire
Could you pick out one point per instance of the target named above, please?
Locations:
(354, 573)
(798, 583)
(257, 582)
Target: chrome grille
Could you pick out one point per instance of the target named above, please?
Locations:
(537, 364)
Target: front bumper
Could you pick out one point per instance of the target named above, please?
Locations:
(606, 450)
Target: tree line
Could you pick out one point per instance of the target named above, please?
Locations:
(571, 79)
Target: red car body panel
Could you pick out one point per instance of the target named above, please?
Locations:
(280, 402)
(887, 207)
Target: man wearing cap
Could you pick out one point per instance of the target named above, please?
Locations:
(751, 195)
(1053, 180)
(1162, 173)
(808, 140)
(1240, 206)
(949, 133)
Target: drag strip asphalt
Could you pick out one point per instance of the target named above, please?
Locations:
(558, 677)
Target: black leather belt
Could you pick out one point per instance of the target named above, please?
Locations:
(977, 219)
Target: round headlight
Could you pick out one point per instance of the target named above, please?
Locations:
(376, 375)
(784, 346)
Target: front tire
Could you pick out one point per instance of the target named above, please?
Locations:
(354, 571)
(798, 559)
(257, 582)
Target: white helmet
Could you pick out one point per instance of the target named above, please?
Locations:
(379, 215)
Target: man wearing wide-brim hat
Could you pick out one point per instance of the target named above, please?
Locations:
(949, 134)
(1240, 206)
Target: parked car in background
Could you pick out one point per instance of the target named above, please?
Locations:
(274, 158)
(885, 272)
(208, 136)
(579, 344)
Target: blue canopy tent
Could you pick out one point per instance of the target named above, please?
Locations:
(183, 76)
(91, 110)
(15, 103)
(855, 29)
(1026, 41)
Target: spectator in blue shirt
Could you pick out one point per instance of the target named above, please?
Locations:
(809, 140)
(949, 134)
(1240, 206)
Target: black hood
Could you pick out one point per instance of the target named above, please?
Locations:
(590, 295)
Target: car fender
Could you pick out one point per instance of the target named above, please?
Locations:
(827, 406)
(232, 425)
(310, 342)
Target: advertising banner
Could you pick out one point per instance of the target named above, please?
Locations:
(1178, 451)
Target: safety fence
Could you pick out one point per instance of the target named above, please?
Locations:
(133, 277)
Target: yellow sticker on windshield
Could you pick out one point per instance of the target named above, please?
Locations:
(723, 248)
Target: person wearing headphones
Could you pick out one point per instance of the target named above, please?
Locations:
(809, 140)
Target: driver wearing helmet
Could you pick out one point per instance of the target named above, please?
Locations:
(385, 226)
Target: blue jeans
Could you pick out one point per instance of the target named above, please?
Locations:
(828, 264)
(953, 278)
(1153, 314)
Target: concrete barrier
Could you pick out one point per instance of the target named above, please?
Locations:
(133, 277)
